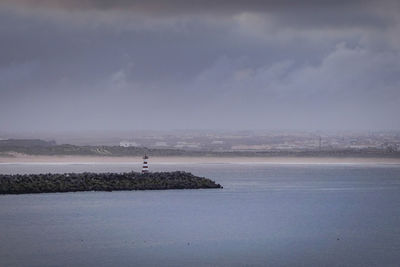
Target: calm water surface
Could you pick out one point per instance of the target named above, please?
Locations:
(266, 215)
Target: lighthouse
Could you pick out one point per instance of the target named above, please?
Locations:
(145, 168)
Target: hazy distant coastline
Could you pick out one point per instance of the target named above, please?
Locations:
(22, 158)
(44, 151)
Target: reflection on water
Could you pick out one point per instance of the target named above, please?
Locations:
(265, 215)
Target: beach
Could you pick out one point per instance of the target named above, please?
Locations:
(22, 158)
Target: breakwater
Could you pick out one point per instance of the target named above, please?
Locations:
(74, 182)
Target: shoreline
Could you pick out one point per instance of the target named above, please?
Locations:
(27, 159)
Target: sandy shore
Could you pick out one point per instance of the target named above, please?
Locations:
(21, 158)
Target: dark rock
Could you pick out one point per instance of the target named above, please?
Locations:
(72, 182)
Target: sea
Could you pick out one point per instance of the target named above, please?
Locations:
(266, 215)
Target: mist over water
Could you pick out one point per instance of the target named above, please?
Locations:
(279, 215)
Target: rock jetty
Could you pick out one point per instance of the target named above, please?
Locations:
(74, 182)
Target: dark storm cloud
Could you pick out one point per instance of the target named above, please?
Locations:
(199, 64)
(160, 6)
(295, 13)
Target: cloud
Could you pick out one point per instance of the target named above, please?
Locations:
(257, 64)
(160, 5)
(305, 13)
(340, 90)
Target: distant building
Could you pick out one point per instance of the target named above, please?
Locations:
(183, 144)
(161, 143)
(127, 143)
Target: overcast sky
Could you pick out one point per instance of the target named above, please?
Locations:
(72, 65)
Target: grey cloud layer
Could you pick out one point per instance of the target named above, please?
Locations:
(265, 64)
(159, 6)
(315, 13)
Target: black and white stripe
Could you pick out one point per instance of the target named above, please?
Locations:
(145, 167)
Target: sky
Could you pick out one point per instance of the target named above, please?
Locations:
(73, 65)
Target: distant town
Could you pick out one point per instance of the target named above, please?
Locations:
(203, 143)
(267, 141)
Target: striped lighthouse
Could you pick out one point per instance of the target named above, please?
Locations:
(145, 168)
